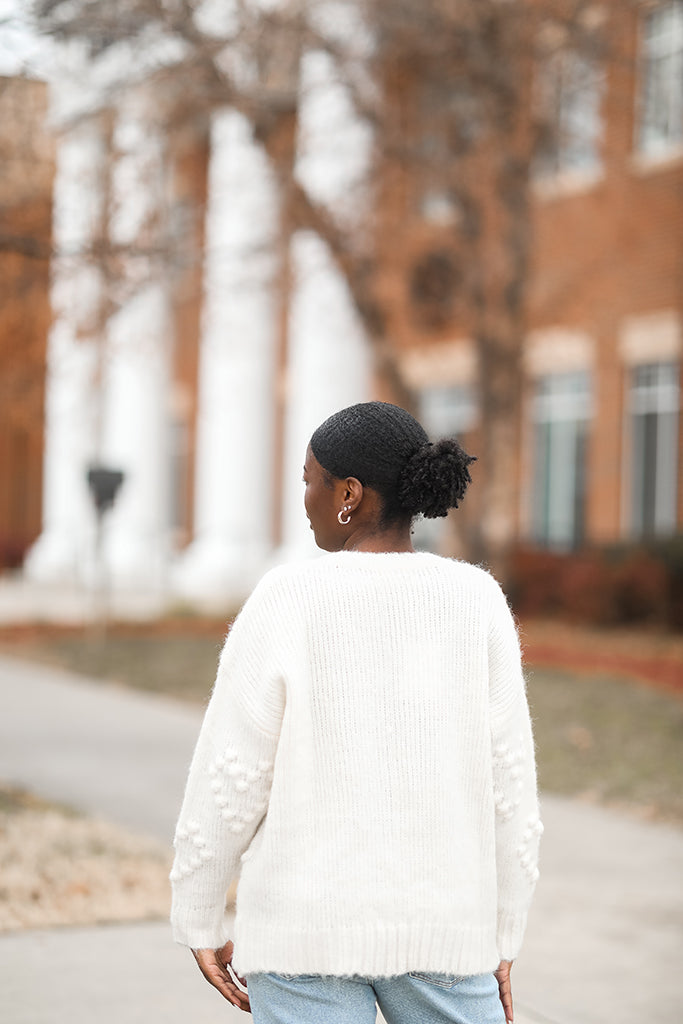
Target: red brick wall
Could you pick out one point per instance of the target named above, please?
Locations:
(608, 252)
(600, 252)
(27, 161)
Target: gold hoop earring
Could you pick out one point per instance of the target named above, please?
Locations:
(340, 516)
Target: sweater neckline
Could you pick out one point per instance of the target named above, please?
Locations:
(386, 559)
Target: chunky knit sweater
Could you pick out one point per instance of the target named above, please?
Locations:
(366, 764)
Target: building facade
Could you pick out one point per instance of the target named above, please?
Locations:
(27, 158)
(166, 355)
(195, 345)
(601, 441)
(608, 299)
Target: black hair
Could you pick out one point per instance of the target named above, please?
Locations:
(386, 448)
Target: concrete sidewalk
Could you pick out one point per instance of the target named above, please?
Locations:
(119, 974)
(603, 939)
(102, 748)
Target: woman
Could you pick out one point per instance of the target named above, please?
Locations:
(366, 761)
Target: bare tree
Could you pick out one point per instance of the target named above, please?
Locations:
(447, 89)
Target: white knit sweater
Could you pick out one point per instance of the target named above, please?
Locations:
(366, 763)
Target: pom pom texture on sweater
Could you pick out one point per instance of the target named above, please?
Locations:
(366, 765)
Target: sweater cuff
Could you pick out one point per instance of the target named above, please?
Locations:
(200, 938)
(511, 929)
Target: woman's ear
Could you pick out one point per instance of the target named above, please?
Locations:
(353, 493)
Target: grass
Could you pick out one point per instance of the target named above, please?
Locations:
(610, 740)
(182, 665)
(598, 737)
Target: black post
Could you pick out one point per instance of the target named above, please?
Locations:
(104, 484)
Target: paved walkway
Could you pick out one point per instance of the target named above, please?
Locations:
(103, 748)
(604, 937)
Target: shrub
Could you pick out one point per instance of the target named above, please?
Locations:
(587, 591)
(615, 584)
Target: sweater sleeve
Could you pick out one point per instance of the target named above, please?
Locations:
(517, 822)
(230, 776)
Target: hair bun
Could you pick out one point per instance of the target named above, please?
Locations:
(435, 478)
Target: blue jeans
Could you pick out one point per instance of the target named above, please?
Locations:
(415, 998)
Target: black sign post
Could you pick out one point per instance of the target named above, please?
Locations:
(104, 484)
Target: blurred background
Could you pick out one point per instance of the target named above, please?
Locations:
(222, 221)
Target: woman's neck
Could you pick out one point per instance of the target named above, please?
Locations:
(396, 540)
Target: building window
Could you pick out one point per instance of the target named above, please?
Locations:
(661, 120)
(561, 413)
(570, 90)
(653, 402)
(448, 123)
(448, 411)
(445, 411)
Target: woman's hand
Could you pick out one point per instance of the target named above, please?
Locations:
(216, 966)
(504, 987)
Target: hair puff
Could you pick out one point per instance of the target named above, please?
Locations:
(435, 478)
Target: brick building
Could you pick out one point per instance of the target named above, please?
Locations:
(604, 356)
(214, 367)
(601, 433)
(27, 160)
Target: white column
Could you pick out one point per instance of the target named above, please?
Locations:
(329, 361)
(328, 370)
(139, 341)
(62, 552)
(234, 468)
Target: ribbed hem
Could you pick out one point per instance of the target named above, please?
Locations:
(378, 950)
(511, 929)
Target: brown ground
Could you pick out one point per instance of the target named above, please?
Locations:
(58, 868)
(648, 656)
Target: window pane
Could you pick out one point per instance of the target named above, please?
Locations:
(541, 486)
(445, 411)
(561, 411)
(562, 490)
(649, 472)
(448, 411)
(662, 76)
(653, 408)
(667, 473)
(570, 88)
(580, 458)
(580, 113)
